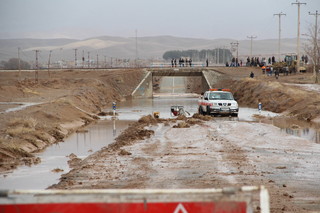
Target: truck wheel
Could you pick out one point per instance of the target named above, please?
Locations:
(208, 111)
(200, 110)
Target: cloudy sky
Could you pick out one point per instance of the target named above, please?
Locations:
(212, 19)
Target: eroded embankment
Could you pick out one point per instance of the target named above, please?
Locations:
(276, 97)
(69, 101)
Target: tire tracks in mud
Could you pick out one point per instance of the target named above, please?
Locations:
(211, 154)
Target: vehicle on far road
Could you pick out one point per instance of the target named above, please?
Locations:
(289, 65)
(218, 102)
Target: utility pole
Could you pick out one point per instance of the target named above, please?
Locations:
(75, 57)
(223, 55)
(88, 60)
(97, 61)
(49, 62)
(83, 59)
(19, 63)
(236, 44)
(298, 37)
(315, 48)
(136, 47)
(36, 74)
(105, 61)
(61, 51)
(279, 39)
(251, 38)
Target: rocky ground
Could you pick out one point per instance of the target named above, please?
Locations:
(196, 152)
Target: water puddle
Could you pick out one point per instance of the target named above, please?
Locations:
(104, 131)
(56, 156)
(298, 128)
(6, 107)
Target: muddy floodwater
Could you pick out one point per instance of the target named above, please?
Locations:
(104, 131)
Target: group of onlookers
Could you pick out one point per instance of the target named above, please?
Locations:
(183, 62)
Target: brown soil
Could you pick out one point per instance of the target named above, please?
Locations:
(67, 101)
(274, 94)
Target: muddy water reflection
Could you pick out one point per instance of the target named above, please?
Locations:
(134, 109)
(81, 144)
(103, 133)
(307, 130)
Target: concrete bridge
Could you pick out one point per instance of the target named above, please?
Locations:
(197, 80)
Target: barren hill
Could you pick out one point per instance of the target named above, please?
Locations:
(124, 48)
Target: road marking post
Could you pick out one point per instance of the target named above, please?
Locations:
(260, 107)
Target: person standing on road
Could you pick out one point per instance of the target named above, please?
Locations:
(276, 73)
(207, 62)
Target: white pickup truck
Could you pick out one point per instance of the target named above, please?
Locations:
(218, 102)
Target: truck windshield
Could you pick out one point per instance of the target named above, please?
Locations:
(220, 96)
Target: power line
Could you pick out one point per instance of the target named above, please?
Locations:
(315, 50)
(88, 59)
(49, 62)
(36, 74)
(136, 46)
(97, 61)
(298, 37)
(236, 44)
(19, 63)
(75, 57)
(279, 39)
(251, 38)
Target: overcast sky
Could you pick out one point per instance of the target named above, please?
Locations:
(212, 19)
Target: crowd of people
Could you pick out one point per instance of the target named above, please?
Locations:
(183, 62)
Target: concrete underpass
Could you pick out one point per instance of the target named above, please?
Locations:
(176, 80)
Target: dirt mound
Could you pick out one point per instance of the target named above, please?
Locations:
(149, 119)
(182, 125)
(181, 117)
(110, 113)
(134, 132)
(202, 117)
(68, 100)
(276, 97)
(124, 152)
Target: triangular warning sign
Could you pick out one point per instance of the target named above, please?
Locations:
(180, 208)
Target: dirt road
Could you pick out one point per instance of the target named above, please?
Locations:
(209, 154)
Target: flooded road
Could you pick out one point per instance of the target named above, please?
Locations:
(103, 133)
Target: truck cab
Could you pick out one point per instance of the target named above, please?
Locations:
(218, 102)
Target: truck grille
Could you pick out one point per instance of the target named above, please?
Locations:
(224, 104)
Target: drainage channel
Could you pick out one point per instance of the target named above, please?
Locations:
(102, 133)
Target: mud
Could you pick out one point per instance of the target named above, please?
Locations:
(200, 153)
(216, 153)
(62, 103)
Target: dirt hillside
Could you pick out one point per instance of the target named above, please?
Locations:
(284, 95)
(63, 102)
